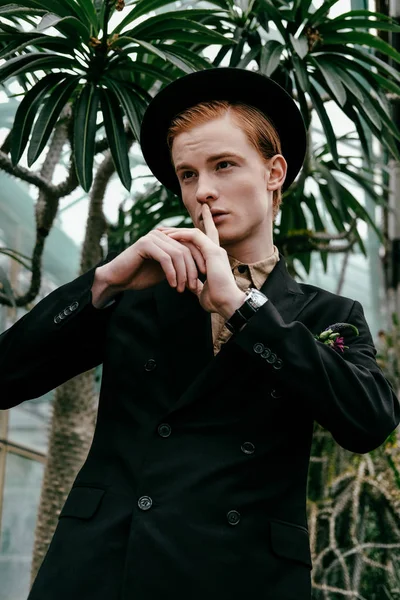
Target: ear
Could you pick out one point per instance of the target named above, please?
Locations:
(277, 172)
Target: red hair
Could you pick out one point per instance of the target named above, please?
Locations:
(259, 130)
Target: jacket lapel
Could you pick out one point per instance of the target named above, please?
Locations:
(188, 340)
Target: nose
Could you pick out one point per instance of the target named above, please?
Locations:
(206, 189)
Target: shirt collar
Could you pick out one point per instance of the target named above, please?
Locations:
(257, 272)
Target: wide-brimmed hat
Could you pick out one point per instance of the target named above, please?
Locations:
(222, 83)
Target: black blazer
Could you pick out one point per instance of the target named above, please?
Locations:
(195, 484)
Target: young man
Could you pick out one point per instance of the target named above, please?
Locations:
(195, 484)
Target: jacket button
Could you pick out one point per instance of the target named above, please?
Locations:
(271, 359)
(248, 448)
(150, 365)
(164, 430)
(74, 305)
(145, 502)
(275, 394)
(279, 364)
(258, 348)
(57, 319)
(67, 311)
(267, 353)
(233, 517)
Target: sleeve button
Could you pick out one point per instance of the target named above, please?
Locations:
(279, 364)
(74, 305)
(266, 353)
(271, 359)
(258, 348)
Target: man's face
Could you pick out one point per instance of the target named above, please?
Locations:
(216, 164)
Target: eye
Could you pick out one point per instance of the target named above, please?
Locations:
(185, 175)
(224, 164)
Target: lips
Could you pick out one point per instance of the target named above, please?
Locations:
(215, 212)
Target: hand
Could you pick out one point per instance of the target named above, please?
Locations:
(148, 261)
(219, 293)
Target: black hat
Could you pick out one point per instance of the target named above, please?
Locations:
(223, 83)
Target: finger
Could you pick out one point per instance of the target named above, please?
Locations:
(196, 254)
(182, 259)
(209, 225)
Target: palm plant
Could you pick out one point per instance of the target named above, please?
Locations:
(93, 69)
(321, 61)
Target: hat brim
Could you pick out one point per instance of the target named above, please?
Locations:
(223, 83)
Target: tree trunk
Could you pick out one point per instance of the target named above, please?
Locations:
(75, 402)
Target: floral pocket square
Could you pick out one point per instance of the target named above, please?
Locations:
(335, 335)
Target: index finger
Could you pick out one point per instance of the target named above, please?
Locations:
(209, 226)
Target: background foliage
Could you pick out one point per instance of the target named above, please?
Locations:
(84, 79)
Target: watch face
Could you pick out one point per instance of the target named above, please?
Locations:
(256, 298)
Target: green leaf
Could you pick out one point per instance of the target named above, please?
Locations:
(348, 81)
(17, 10)
(130, 68)
(114, 125)
(29, 63)
(363, 56)
(132, 102)
(155, 28)
(362, 39)
(302, 99)
(85, 114)
(48, 116)
(90, 11)
(330, 206)
(27, 111)
(344, 24)
(351, 202)
(300, 45)
(144, 7)
(125, 41)
(325, 122)
(316, 18)
(274, 15)
(70, 24)
(331, 77)
(183, 58)
(38, 41)
(301, 73)
(270, 56)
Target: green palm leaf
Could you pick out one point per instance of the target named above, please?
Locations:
(27, 111)
(72, 26)
(29, 63)
(362, 39)
(325, 122)
(113, 123)
(48, 116)
(91, 15)
(331, 77)
(270, 57)
(159, 28)
(85, 114)
(132, 101)
(145, 7)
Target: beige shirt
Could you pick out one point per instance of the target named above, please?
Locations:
(252, 275)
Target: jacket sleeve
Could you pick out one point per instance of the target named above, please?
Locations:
(346, 393)
(62, 336)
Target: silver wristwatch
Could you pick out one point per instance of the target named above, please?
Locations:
(254, 300)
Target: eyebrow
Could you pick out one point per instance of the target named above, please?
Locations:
(210, 159)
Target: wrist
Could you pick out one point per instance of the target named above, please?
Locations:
(235, 302)
(102, 290)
